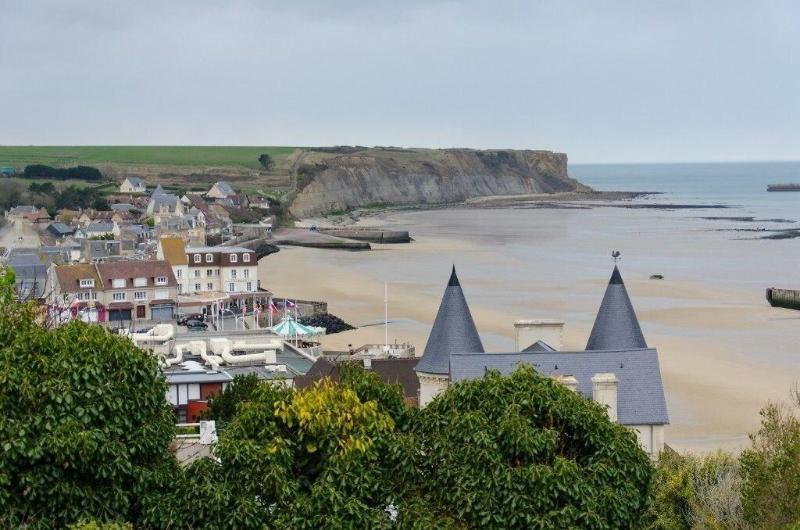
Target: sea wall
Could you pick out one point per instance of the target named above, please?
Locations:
(406, 177)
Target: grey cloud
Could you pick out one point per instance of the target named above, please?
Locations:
(603, 81)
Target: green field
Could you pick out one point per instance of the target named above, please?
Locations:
(67, 156)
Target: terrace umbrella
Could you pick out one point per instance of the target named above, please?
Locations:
(290, 328)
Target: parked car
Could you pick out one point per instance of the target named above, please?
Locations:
(196, 325)
(193, 316)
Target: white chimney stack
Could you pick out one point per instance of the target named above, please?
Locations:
(568, 381)
(527, 332)
(604, 392)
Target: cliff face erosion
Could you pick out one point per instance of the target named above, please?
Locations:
(388, 176)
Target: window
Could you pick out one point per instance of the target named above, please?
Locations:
(249, 286)
(88, 282)
(234, 258)
(209, 258)
(198, 258)
(161, 294)
(246, 258)
(161, 280)
(231, 287)
(118, 283)
(233, 274)
(140, 295)
(179, 273)
(180, 289)
(197, 273)
(197, 287)
(140, 282)
(209, 273)
(94, 295)
(118, 297)
(210, 286)
(246, 273)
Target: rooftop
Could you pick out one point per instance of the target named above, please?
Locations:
(640, 394)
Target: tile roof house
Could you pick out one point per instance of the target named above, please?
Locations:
(220, 190)
(133, 185)
(28, 213)
(119, 291)
(616, 369)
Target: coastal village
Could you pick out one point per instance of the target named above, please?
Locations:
(180, 278)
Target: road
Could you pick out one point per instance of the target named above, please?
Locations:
(19, 234)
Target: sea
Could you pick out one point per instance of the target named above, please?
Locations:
(742, 186)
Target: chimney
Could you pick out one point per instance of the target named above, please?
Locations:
(604, 392)
(527, 332)
(568, 381)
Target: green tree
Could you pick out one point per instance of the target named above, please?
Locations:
(771, 468)
(266, 161)
(84, 430)
(526, 452)
(696, 492)
(222, 407)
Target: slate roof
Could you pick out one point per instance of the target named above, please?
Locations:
(60, 229)
(31, 274)
(616, 326)
(640, 392)
(100, 226)
(167, 199)
(158, 191)
(539, 346)
(122, 207)
(453, 331)
(23, 209)
(135, 181)
(398, 371)
(224, 187)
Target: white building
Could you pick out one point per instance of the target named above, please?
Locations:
(133, 185)
(220, 190)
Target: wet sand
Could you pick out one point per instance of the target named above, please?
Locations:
(724, 352)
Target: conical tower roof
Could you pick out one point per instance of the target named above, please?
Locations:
(453, 331)
(616, 326)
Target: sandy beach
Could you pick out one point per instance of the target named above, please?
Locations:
(724, 352)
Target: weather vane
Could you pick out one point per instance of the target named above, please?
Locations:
(616, 255)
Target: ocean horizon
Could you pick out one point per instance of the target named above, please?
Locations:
(740, 186)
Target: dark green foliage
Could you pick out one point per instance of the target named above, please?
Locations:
(525, 452)
(101, 204)
(266, 161)
(40, 171)
(48, 188)
(222, 407)
(331, 323)
(84, 425)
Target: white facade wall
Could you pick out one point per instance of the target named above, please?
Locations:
(527, 332)
(651, 438)
(430, 386)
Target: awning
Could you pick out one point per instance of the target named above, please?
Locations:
(165, 301)
(119, 305)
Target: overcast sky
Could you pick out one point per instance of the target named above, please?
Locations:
(619, 81)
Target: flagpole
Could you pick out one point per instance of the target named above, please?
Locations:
(386, 315)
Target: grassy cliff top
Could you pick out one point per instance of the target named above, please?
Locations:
(66, 156)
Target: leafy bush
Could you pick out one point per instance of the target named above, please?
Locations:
(223, 407)
(84, 429)
(41, 171)
(771, 468)
(697, 492)
(526, 452)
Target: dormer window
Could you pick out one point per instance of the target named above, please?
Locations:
(234, 258)
(246, 258)
(209, 258)
(87, 282)
(118, 283)
(140, 282)
(161, 280)
(198, 258)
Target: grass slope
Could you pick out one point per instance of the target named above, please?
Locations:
(67, 156)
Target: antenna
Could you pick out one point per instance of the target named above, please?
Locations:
(386, 315)
(616, 255)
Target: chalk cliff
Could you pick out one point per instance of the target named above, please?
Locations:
(353, 178)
